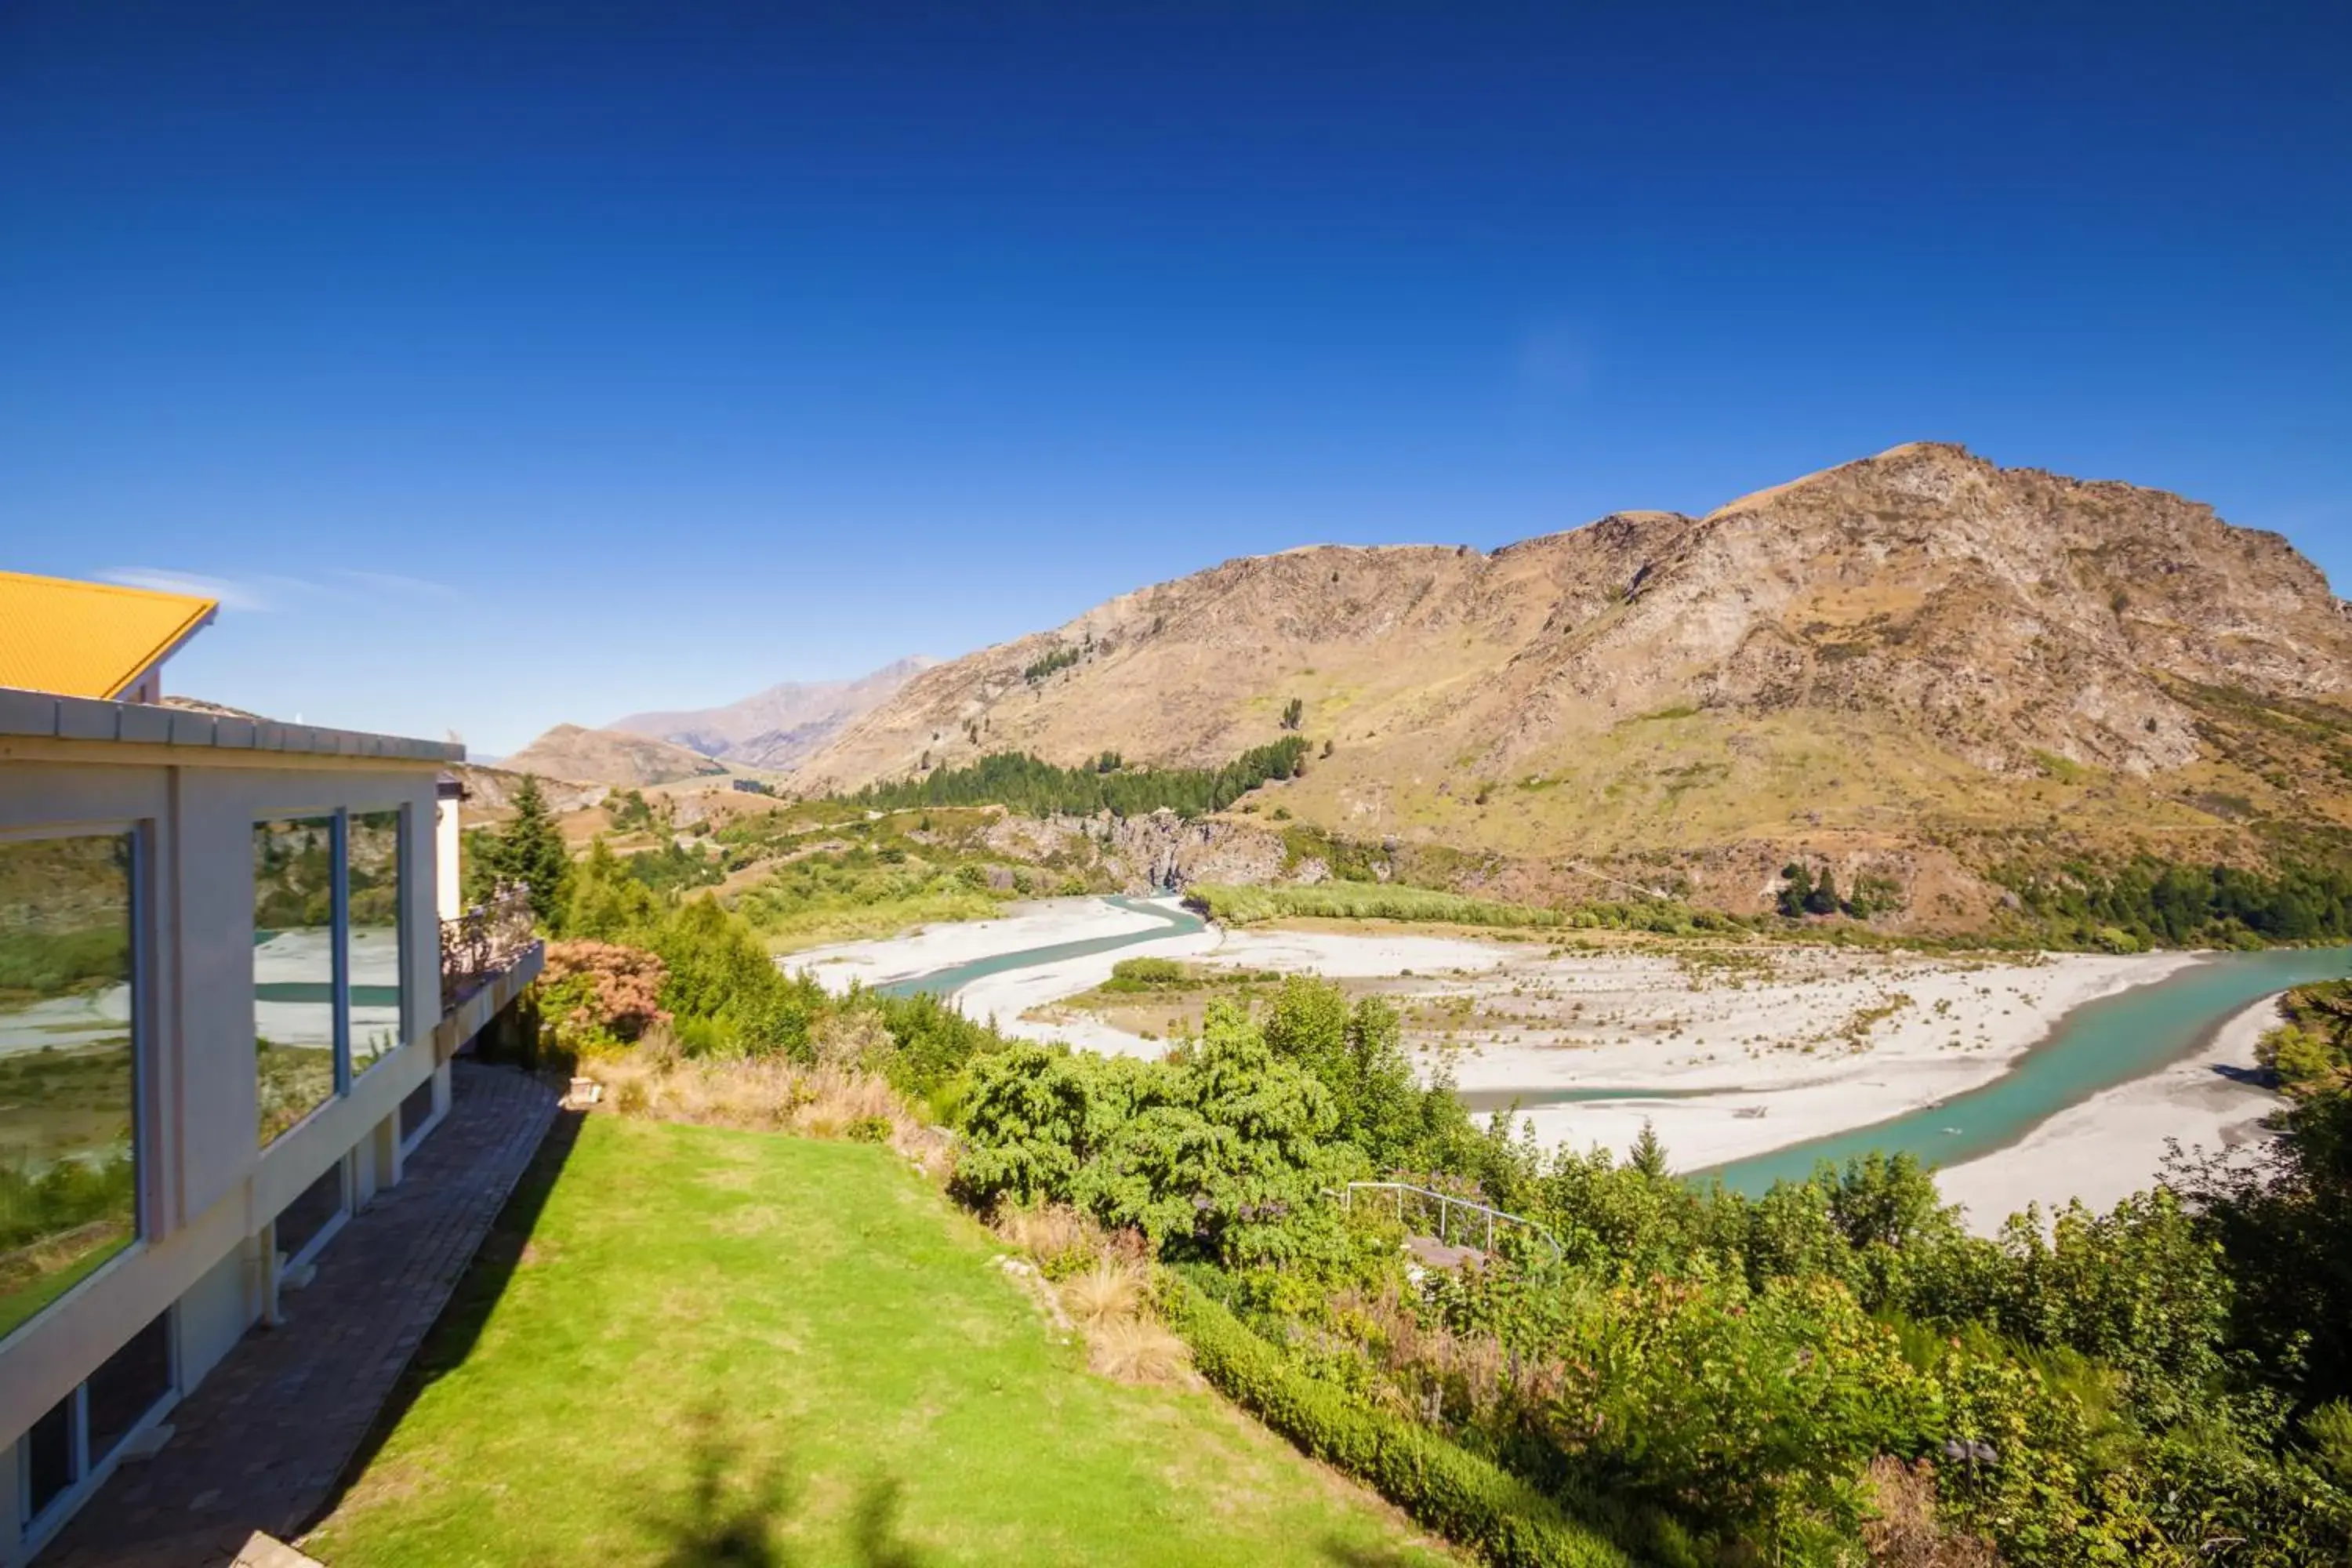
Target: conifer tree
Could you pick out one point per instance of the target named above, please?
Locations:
(1648, 1154)
(531, 852)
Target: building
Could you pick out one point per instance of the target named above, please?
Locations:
(227, 1005)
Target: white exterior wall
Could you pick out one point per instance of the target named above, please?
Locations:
(450, 897)
(207, 1192)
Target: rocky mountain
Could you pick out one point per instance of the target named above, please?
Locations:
(1919, 659)
(779, 727)
(578, 755)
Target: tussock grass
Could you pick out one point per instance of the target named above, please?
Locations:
(1113, 1291)
(1104, 1286)
(831, 1098)
(1138, 1350)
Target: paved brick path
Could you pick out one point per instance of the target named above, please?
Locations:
(260, 1445)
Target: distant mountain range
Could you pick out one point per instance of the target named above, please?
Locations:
(776, 728)
(1919, 664)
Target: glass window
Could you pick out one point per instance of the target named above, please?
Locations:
(293, 969)
(416, 1110)
(68, 1177)
(314, 1208)
(129, 1383)
(374, 846)
(50, 1457)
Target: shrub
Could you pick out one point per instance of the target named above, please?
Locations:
(600, 993)
(1461, 1496)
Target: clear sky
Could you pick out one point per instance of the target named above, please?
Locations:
(506, 364)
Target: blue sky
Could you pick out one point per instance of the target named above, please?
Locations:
(510, 365)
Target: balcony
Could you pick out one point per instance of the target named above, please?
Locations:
(488, 954)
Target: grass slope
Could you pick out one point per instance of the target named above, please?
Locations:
(688, 1344)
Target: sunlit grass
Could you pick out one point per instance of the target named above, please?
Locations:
(728, 1346)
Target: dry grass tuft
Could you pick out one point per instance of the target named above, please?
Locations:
(1137, 1350)
(772, 1094)
(1058, 1238)
(1905, 1534)
(1104, 1288)
(1113, 1291)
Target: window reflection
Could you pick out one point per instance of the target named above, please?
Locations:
(373, 845)
(69, 1180)
(293, 969)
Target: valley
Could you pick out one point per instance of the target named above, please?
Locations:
(1749, 1059)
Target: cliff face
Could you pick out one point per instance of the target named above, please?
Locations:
(1904, 647)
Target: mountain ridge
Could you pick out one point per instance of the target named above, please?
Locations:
(1896, 654)
(776, 727)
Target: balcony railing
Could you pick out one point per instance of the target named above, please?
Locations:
(481, 943)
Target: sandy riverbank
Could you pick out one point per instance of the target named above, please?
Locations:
(2112, 1145)
(1042, 924)
(1755, 1048)
(1742, 1049)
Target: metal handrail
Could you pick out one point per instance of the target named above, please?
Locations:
(1446, 1205)
(483, 940)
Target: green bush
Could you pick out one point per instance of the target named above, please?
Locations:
(1465, 1498)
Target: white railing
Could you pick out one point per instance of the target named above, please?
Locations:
(1454, 1216)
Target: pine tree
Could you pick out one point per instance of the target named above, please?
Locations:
(1823, 899)
(1797, 889)
(531, 852)
(1648, 1154)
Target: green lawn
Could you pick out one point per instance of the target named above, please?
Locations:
(689, 1345)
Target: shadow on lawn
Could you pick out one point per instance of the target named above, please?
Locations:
(453, 1335)
(732, 1511)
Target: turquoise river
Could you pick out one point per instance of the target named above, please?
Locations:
(2096, 1046)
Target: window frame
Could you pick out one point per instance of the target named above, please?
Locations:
(35, 1529)
(145, 1199)
(337, 985)
(347, 1074)
(404, 913)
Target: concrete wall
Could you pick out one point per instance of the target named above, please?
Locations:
(448, 833)
(207, 1192)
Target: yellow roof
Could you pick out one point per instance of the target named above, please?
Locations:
(89, 639)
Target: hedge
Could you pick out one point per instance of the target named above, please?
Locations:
(1464, 1498)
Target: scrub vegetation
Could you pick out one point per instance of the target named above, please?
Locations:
(1835, 1372)
(1040, 788)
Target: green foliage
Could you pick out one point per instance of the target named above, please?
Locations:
(1148, 974)
(55, 963)
(1467, 1498)
(531, 851)
(1038, 788)
(1221, 1153)
(2277, 1213)
(629, 811)
(1060, 658)
(2166, 903)
(1802, 894)
(673, 868)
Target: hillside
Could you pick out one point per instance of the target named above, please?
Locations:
(605, 756)
(1919, 664)
(779, 727)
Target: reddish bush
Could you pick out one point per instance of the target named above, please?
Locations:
(601, 989)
